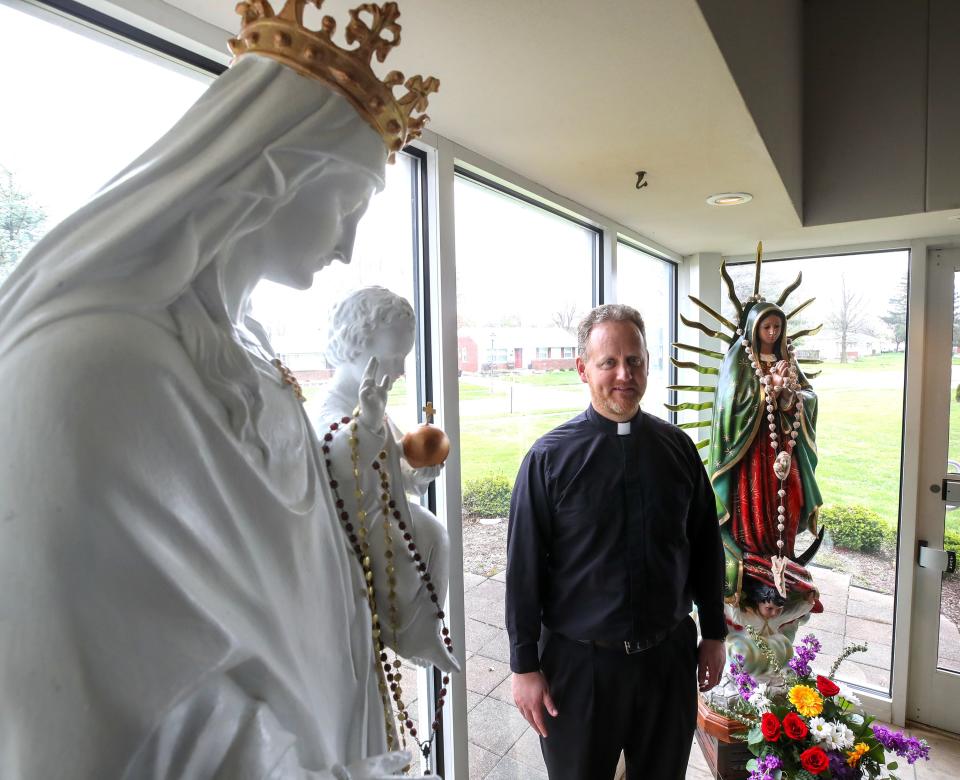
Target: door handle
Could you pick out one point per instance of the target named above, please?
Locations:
(932, 558)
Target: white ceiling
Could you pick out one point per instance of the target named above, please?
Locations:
(577, 96)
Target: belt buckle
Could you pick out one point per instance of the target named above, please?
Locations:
(632, 647)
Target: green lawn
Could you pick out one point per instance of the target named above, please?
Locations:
(497, 444)
(548, 379)
(858, 436)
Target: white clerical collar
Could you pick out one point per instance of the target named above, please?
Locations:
(623, 429)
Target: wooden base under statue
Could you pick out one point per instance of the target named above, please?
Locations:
(725, 755)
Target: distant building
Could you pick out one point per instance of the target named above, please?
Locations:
(826, 345)
(511, 349)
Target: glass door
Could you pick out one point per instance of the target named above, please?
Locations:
(934, 688)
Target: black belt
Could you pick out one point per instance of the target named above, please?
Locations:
(629, 646)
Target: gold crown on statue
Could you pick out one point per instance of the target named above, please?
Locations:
(312, 53)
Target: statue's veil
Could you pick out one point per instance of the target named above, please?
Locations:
(249, 143)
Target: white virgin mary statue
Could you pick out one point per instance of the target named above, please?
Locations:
(177, 596)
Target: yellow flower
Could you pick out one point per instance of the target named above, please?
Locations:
(854, 756)
(806, 700)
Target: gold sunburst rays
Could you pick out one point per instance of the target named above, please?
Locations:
(731, 290)
(698, 367)
(699, 350)
(800, 308)
(689, 405)
(789, 289)
(717, 334)
(695, 424)
(805, 332)
(714, 313)
(756, 273)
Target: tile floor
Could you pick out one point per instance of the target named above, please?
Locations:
(504, 747)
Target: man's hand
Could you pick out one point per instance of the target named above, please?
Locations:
(711, 657)
(531, 695)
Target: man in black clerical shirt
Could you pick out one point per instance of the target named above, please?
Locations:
(613, 536)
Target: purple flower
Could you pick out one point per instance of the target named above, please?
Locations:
(765, 766)
(910, 748)
(840, 769)
(744, 682)
(803, 655)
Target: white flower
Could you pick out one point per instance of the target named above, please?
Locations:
(820, 730)
(843, 737)
(846, 692)
(759, 698)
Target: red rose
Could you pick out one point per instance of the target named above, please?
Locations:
(827, 687)
(814, 760)
(770, 727)
(794, 727)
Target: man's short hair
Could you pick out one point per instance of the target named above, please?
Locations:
(608, 312)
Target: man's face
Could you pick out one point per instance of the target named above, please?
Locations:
(615, 366)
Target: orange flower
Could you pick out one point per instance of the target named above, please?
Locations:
(806, 700)
(854, 756)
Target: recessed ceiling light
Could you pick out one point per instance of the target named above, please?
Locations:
(729, 198)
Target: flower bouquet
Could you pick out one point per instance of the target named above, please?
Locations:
(803, 726)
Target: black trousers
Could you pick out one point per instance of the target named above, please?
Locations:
(644, 704)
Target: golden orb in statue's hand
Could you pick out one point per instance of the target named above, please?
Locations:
(426, 446)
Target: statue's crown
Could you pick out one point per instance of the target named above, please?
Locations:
(312, 53)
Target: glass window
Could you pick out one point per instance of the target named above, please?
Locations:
(647, 283)
(71, 129)
(525, 277)
(861, 300)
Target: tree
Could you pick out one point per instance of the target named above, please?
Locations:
(21, 223)
(848, 315)
(896, 316)
(566, 318)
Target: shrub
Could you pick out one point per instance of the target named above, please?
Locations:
(857, 528)
(951, 541)
(488, 496)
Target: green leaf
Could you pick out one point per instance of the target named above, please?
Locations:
(751, 765)
(755, 737)
(892, 766)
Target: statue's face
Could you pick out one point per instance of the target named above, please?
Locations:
(390, 345)
(315, 227)
(769, 330)
(615, 367)
(769, 610)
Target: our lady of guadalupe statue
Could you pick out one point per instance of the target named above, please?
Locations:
(762, 458)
